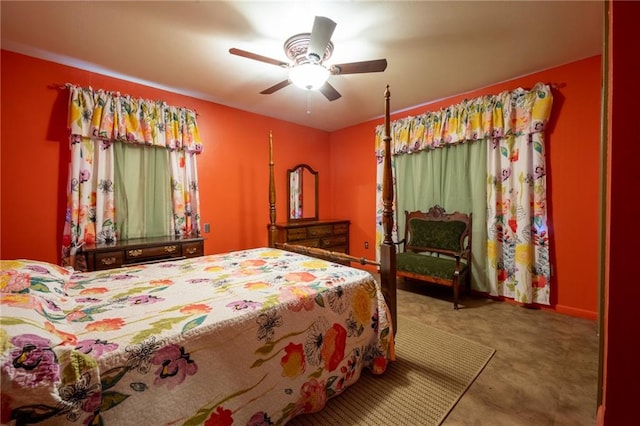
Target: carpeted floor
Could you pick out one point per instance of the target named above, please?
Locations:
(433, 370)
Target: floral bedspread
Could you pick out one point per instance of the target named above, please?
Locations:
(253, 337)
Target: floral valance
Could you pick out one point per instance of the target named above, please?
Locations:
(112, 116)
(493, 116)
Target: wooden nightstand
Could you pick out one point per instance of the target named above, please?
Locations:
(141, 250)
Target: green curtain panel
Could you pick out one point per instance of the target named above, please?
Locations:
(454, 178)
(142, 186)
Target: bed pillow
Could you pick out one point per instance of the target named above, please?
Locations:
(32, 276)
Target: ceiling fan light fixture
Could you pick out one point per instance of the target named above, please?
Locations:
(309, 76)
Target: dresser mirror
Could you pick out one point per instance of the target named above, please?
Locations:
(302, 193)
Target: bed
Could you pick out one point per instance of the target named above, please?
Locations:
(251, 337)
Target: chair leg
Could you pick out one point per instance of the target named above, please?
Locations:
(455, 293)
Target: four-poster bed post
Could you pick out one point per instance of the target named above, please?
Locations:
(387, 248)
(387, 264)
(272, 196)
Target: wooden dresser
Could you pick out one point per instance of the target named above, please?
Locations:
(332, 235)
(141, 250)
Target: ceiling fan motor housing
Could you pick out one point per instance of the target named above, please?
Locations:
(296, 48)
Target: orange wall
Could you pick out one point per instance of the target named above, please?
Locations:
(573, 152)
(233, 170)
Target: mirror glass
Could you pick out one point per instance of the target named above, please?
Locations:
(302, 193)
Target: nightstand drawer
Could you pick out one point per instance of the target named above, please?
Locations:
(108, 260)
(146, 253)
(193, 249)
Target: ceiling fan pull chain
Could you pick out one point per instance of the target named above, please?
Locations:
(308, 102)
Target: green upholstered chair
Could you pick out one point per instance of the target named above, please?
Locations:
(436, 248)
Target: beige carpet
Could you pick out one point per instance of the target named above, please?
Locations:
(432, 372)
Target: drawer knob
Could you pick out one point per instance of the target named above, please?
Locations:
(191, 250)
(108, 260)
(135, 253)
(170, 249)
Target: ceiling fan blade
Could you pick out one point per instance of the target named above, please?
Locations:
(257, 57)
(320, 37)
(329, 91)
(276, 87)
(376, 65)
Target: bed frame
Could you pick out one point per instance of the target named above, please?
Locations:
(387, 265)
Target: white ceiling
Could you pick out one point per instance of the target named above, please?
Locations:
(434, 49)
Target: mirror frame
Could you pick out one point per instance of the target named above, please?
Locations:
(317, 201)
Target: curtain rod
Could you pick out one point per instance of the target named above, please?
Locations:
(58, 86)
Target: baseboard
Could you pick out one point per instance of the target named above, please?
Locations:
(574, 312)
(600, 415)
(561, 309)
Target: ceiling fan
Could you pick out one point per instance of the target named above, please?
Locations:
(307, 53)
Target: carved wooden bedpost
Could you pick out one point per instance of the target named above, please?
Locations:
(387, 248)
(272, 196)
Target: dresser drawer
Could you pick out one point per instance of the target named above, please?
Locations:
(331, 235)
(319, 231)
(339, 249)
(294, 234)
(308, 243)
(193, 249)
(146, 253)
(340, 240)
(341, 228)
(108, 260)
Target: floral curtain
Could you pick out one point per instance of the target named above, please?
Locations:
(514, 123)
(518, 238)
(186, 198)
(97, 119)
